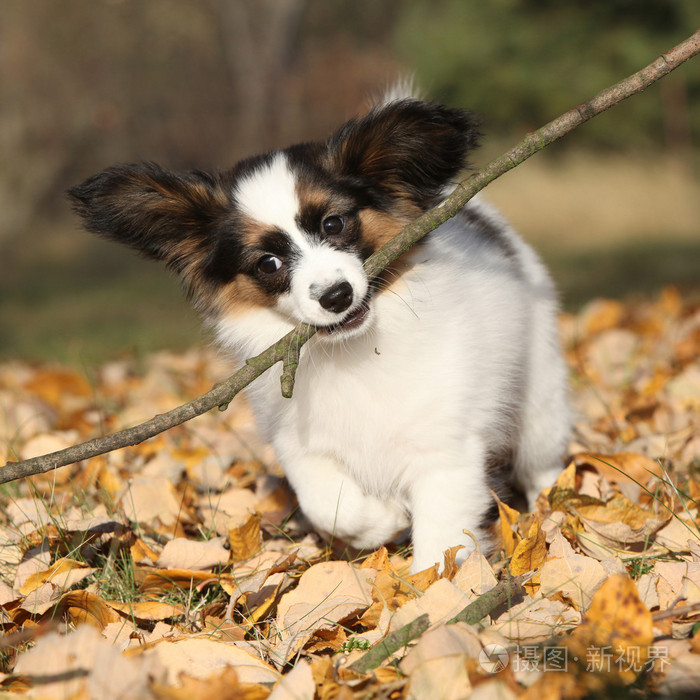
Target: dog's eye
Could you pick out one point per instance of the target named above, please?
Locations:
(333, 225)
(269, 264)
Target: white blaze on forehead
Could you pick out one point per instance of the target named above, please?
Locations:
(269, 196)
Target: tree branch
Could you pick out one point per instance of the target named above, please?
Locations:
(287, 349)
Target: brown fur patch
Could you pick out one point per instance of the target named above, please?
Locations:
(379, 227)
(239, 295)
(252, 233)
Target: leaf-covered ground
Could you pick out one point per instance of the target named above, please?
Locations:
(180, 568)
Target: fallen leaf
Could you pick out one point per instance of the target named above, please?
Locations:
(244, 540)
(534, 620)
(620, 522)
(147, 610)
(298, 684)
(443, 677)
(63, 573)
(508, 518)
(475, 576)
(621, 466)
(530, 552)
(223, 685)
(458, 639)
(441, 601)
(327, 594)
(81, 664)
(203, 658)
(147, 498)
(616, 620)
(83, 607)
(572, 575)
(182, 553)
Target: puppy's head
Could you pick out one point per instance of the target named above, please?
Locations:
(288, 230)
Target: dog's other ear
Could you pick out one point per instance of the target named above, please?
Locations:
(405, 149)
(163, 215)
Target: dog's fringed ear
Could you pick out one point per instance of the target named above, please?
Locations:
(163, 215)
(406, 149)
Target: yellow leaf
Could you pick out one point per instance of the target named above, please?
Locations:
(618, 623)
(223, 686)
(63, 573)
(451, 566)
(148, 611)
(157, 581)
(602, 314)
(567, 479)
(245, 540)
(327, 593)
(621, 522)
(621, 466)
(508, 517)
(530, 552)
(82, 606)
(574, 576)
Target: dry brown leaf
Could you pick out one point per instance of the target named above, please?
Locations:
(679, 532)
(441, 601)
(221, 686)
(475, 576)
(147, 498)
(229, 509)
(423, 579)
(458, 639)
(572, 575)
(203, 658)
(555, 686)
(181, 553)
(530, 552)
(534, 620)
(620, 522)
(147, 610)
(141, 553)
(327, 593)
(245, 539)
(621, 466)
(443, 677)
(671, 575)
(616, 619)
(81, 665)
(41, 599)
(158, 581)
(83, 607)
(63, 573)
(600, 315)
(378, 560)
(450, 560)
(508, 519)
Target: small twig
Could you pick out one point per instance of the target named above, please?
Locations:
(675, 612)
(505, 591)
(223, 393)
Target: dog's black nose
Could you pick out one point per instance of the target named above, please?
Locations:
(337, 298)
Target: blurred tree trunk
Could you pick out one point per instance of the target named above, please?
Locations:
(260, 45)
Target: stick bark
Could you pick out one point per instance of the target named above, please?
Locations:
(287, 349)
(503, 592)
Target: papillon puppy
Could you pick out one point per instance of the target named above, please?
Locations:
(423, 390)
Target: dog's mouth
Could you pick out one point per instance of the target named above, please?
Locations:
(350, 322)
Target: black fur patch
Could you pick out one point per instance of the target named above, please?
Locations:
(407, 150)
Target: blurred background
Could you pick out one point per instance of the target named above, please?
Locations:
(614, 209)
